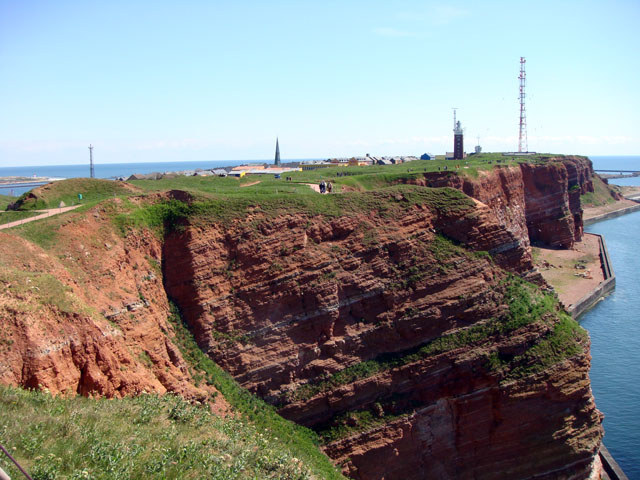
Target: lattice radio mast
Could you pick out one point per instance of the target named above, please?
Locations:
(522, 139)
(91, 173)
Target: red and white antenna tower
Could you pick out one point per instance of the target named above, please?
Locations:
(522, 139)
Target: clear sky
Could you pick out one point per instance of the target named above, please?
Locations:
(213, 80)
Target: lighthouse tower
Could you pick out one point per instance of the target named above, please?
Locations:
(458, 141)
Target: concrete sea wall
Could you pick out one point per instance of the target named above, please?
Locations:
(609, 283)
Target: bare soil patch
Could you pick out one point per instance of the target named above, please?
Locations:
(249, 184)
(572, 273)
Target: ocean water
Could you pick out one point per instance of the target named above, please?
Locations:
(612, 162)
(114, 170)
(614, 328)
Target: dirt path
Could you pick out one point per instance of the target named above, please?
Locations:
(45, 214)
(249, 184)
(316, 188)
(572, 273)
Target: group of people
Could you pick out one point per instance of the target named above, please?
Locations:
(325, 187)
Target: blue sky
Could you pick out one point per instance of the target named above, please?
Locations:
(210, 80)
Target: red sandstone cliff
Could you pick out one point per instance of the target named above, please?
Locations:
(385, 328)
(88, 315)
(289, 304)
(538, 202)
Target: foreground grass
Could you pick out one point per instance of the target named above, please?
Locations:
(147, 437)
(157, 437)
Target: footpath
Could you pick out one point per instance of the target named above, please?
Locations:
(45, 213)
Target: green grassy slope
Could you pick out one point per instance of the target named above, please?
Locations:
(599, 197)
(91, 189)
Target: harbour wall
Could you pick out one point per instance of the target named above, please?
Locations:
(603, 289)
(617, 213)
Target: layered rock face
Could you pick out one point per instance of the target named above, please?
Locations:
(394, 343)
(388, 322)
(88, 315)
(537, 202)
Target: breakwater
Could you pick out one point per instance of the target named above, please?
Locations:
(614, 214)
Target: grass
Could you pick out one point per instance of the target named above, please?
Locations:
(165, 216)
(44, 288)
(146, 437)
(6, 200)
(157, 437)
(67, 191)
(566, 339)
(599, 197)
(8, 217)
(352, 178)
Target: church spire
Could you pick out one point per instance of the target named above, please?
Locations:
(277, 162)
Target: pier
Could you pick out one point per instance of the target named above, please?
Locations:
(22, 185)
(613, 173)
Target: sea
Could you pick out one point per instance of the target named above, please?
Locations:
(111, 170)
(614, 327)
(613, 324)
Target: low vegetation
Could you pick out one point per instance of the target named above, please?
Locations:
(5, 200)
(600, 196)
(526, 305)
(167, 215)
(8, 217)
(302, 442)
(157, 437)
(145, 437)
(69, 191)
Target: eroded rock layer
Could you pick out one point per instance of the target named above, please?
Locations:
(403, 349)
(538, 202)
(89, 314)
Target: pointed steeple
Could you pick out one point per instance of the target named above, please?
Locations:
(277, 162)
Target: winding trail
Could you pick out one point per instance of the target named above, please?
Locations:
(46, 213)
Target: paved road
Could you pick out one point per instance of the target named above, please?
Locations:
(45, 214)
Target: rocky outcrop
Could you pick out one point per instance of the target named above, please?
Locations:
(537, 202)
(378, 331)
(89, 314)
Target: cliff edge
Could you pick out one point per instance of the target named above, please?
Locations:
(394, 323)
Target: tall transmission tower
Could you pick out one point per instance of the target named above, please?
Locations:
(522, 139)
(91, 173)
